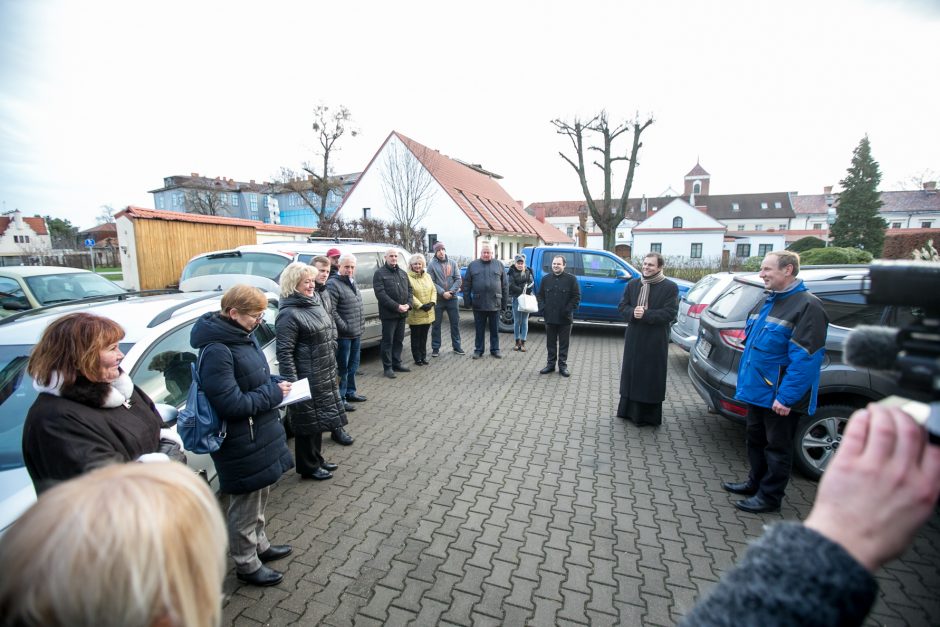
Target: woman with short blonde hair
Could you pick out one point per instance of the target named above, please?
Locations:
(130, 545)
(293, 274)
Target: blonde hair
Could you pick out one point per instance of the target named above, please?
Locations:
(246, 299)
(293, 274)
(415, 258)
(126, 545)
(72, 346)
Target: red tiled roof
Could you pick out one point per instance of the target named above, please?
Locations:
(38, 225)
(698, 170)
(557, 208)
(488, 206)
(155, 214)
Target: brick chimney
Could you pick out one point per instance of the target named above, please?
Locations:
(827, 190)
(540, 214)
(930, 186)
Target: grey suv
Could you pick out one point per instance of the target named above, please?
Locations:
(713, 361)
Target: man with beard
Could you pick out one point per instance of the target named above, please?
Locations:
(649, 305)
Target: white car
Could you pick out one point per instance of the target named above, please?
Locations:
(157, 358)
(685, 331)
(28, 287)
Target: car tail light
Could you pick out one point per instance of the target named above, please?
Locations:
(733, 408)
(695, 311)
(733, 338)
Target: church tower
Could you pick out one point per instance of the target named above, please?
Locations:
(696, 181)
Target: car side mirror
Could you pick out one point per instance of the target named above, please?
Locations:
(167, 412)
(623, 275)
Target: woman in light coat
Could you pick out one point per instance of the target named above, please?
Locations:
(421, 314)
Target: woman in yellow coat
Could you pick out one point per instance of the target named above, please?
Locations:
(421, 314)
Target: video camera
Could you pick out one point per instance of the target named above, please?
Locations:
(912, 351)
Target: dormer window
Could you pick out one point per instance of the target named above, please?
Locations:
(763, 205)
(677, 223)
(735, 207)
(778, 205)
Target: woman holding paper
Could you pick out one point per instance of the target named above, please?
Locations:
(238, 383)
(306, 350)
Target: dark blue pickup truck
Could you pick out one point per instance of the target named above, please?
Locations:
(602, 277)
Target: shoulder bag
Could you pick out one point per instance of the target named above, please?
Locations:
(198, 425)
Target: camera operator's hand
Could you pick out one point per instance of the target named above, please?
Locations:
(880, 487)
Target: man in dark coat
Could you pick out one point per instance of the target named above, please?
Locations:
(393, 291)
(649, 305)
(485, 290)
(322, 264)
(350, 322)
(558, 296)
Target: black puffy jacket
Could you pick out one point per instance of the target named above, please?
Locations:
(305, 348)
(237, 381)
(392, 288)
(347, 300)
(519, 281)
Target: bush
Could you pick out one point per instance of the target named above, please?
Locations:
(903, 245)
(834, 255)
(806, 243)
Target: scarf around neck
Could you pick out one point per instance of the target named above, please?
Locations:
(643, 300)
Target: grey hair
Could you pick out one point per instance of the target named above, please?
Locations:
(347, 257)
(293, 274)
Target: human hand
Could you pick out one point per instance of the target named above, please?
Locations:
(780, 409)
(880, 487)
(447, 295)
(638, 312)
(403, 308)
(427, 306)
(285, 387)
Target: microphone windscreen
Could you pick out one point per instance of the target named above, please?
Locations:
(872, 347)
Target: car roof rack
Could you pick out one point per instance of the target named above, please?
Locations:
(81, 301)
(166, 314)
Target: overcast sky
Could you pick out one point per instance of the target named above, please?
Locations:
(101, 100)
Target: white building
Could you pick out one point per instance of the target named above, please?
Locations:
(679, 230)
(22, 238)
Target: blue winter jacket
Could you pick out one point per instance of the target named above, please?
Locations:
(785, 341)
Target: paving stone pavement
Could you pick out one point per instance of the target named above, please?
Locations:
(479, 492)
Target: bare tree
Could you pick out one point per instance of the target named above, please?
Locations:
(408, 187)
(207, 202)
(916, 181)
(607, 214)
(106, 216)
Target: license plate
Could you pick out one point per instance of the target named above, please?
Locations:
(704, 347)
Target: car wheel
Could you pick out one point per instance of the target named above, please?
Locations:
(505, 320)
(818, 438)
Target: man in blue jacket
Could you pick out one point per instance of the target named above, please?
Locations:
(778, 378)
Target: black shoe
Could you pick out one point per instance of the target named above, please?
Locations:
(389, 373)
(264, 576)
(327, 466)
(496, 355)
(341, 437)
(318, 474)
(743, 487)
(275, 552)
(355, 398)
(401, 368)
(459, 351)
(435, 353)
(477, 355)
(348, 407)
(547, 369)
(563, 371)
(756, 505)
(419, 362)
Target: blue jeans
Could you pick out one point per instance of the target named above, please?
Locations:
(520, 321)
(453, 315)
(347, 363)
(482, 320)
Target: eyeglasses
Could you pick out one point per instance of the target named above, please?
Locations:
(257, 317)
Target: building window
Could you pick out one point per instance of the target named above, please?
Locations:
(895, 225)
(740, 227)
(763, 249)
(253, 202)
(817, 226)
(696, 188)
(223, 198)
(743, 250)
(778, 205)
(782, 227)
(735, 207)
(178, 199)
(432, 239)
(570, 230)
(758, 227)
(926, 224)
(21, 239)
(655, 209)
(159, 201)
(696, 251)
(656, 247)
(619, 234)
(677, 223)
(366, 213)
(763, 205)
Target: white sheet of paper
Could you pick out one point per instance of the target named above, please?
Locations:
(299, 391)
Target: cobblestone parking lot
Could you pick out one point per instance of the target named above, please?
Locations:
(480, 492)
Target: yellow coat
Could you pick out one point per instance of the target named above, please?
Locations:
(424, 292)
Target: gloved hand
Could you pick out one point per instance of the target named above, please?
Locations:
(427, 306)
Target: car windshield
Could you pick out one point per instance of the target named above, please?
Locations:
(736, 301)
(16, 397)
(700, 289)
(59, 288)
(258, 264)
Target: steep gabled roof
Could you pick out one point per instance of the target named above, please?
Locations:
(38, 225)
(698, 170)
(179, 216)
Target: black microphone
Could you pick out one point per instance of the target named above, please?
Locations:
(872, 347)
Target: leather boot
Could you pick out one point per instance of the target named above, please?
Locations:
(516, 346)
(522, 345)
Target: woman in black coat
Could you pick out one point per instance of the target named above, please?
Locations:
(520, 281)
(306, 349)
(237, 381)
(88, 413)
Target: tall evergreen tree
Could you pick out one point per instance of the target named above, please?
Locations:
(858, 224)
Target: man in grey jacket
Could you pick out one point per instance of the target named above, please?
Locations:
(485, 289)
(447, 281)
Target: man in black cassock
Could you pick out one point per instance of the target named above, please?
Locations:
(649, 305)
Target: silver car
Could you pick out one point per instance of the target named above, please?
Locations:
(685, 330)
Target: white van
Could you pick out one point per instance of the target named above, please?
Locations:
(261, 265)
